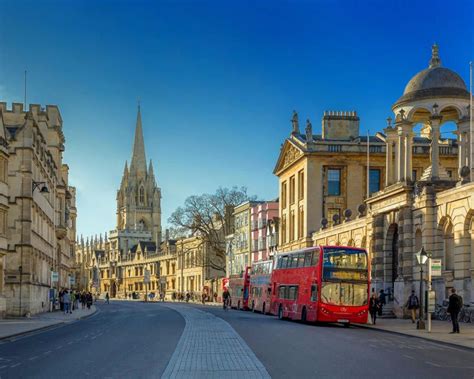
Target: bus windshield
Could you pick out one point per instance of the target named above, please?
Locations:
(349, 294)
(342, 264)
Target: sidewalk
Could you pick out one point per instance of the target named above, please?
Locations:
(439, 331)
(12, 327)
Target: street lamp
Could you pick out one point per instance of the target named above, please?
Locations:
(421, 258)
(43, 189)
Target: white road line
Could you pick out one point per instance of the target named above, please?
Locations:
(3, 367)
(47, 352)
(432, 364)
(33, 358)
(408, 356)
(15, 365)
(59, 347)
(70, 342)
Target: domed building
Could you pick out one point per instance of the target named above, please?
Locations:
(427, 200)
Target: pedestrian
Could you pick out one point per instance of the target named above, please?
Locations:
(83, 299)
(373, 307)
(77, 298)
(226, 299)
(107, 298)
(61, 300)
(454, 307)
(203, 298)
(162, 297)
(73, 300)
(188, 296)
(89, 300)
(382, 301)
(413, 304)
(215, 297)
(66, 301)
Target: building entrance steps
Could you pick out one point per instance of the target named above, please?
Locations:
(15, 327)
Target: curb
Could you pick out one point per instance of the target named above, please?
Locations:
(362, 326)
(45, 328)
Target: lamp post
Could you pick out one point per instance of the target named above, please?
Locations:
(421, 258)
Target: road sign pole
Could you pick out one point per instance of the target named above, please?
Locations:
(429, 290)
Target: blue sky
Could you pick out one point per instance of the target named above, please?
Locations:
(217, 81)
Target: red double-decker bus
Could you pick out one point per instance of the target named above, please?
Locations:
(326, 283)
(260, 286)
(239, 290)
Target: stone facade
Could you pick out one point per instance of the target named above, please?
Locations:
(433, 209)
(39, 221)
(264, 237)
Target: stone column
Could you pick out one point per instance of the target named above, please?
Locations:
(390, 143)
(463, 143)
(435, 122)
(400, 157)
(408, 154)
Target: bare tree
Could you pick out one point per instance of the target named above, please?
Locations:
(209, 216)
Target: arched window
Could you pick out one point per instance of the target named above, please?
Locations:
(142, 195)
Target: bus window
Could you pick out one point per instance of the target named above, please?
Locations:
(314, 292)
(315, 258)
(281, 292)
(293, 292)
(301, 260)
(294, 262)
(307, 259)
(284, 261)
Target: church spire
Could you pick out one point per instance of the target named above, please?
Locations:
(138, 163)
(125, 170)
(150, 170)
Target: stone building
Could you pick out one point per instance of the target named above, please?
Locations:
(322, 175)
(199, 266)
(433, 209)
(264, 242)
(119, 263)
(168, 261)
(39, 222)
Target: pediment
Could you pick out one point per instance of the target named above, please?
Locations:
(289, 154)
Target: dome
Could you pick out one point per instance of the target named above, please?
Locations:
(434, 82)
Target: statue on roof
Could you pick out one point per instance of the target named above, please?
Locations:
(295, 124)
(309, 131)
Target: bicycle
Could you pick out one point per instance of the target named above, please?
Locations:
(465, 315)
(441, 313)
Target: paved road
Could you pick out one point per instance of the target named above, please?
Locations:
(122, 340)
(136, 340)
(289, 349)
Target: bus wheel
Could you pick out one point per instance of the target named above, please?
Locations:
(253, 306)
(263, 309)
(280, 312)
(303, 315)
(346, 325)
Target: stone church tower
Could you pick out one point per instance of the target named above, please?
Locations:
(139, 198)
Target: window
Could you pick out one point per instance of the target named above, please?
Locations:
(282, 292)
(3, 170)
(293, 292)
(315, 258)
(300, 222)
(283, 229)
(142, 195)
(300, 185)
(413, 175)
(334, 182)
(294, 261)
(292, 225)
(450, 173)
(314, 292)
(374, 184)
(292, 190)
(301, 260)
(307, 259)
(284, 261)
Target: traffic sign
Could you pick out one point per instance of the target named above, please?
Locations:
(54, 276)
(436, 267)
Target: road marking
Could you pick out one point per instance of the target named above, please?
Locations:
(33, 358)
(70, 342)
(408, 356)
(3, 367)
(47, 352)
(432, 364)
(59, 347)
(15, 365)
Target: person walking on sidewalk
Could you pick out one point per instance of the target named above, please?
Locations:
(382, 302)
(413, 304)
(107, 298)
(66, 301)
(373, 307)
(454, 307)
